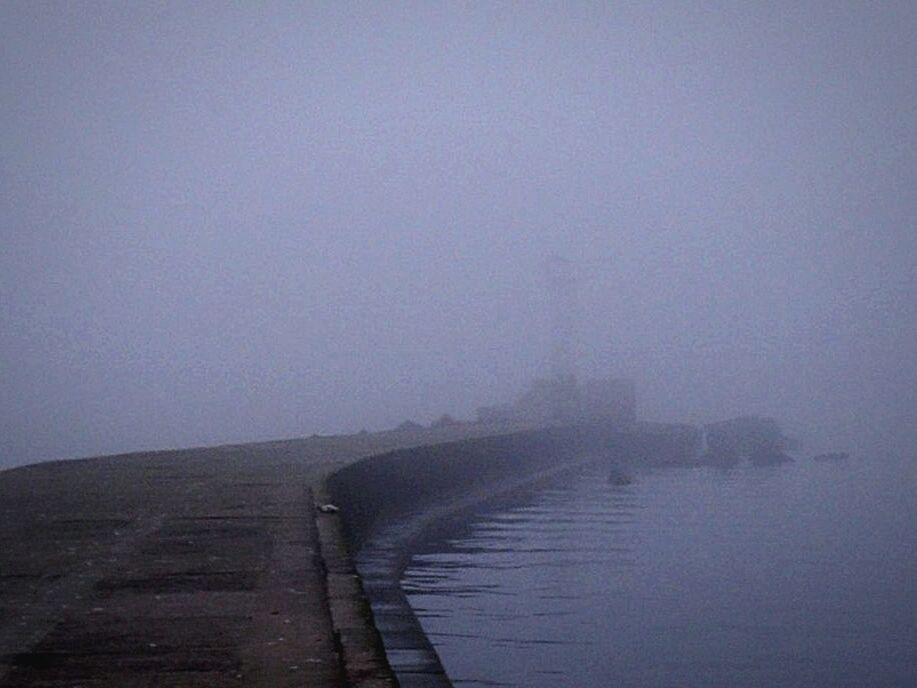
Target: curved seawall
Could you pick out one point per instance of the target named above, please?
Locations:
(391, 502)
(211, 565)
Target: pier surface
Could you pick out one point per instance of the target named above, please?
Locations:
(199, 567)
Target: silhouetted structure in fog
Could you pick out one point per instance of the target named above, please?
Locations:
(758, 439)
(560, 398)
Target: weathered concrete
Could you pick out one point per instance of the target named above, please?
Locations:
(189, 568)
(358, 642)
(163, 571)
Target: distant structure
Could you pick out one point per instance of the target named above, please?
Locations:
(614, 398)
(561, 285)
(562, 392)
(560, 398)
(758, 439)
(444, 421)
(565, 401)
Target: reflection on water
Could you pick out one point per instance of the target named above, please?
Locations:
(798, 575)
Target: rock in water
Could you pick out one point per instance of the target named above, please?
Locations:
(766, 456)
(619, 477)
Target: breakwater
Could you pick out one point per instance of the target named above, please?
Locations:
(212, 565)
(203, 566)
(393, 501)
(385, 487)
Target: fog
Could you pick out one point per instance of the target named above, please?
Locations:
(230, 223)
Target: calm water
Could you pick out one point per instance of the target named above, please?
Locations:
(798, 575)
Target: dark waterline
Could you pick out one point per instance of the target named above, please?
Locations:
(798, 575)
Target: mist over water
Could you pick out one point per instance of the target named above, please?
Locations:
(226, 222)
(791, 576)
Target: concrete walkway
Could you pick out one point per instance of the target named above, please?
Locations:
(189, 568)
(199, 570)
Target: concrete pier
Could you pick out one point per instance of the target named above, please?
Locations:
(201, 567)
(213, 567)
(391, 503)
(163, 570)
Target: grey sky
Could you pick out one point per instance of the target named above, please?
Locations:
(222, 222)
